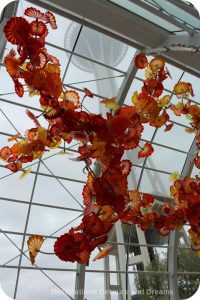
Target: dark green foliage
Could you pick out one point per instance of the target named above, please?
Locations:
(155, 286)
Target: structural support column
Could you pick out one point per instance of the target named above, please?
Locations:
(173, 237)
(107, 279)
(132, 70)
(144, 250)
(80, 282)
(172, 266)
(80, 271)
(122, 262)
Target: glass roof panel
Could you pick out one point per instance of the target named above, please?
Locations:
(45, 193)
(94, 285)
(45, 220)
(98, 46)
(155, 183)
(195, 85)
(61, 164)
(15, 213)
(176, 11)
(8, 251)
(102, 87)
(134, 177)
(146, 14)
(195, 171)
(8, 279)
(162, 159)
(12, 183)
(176, 138)
(37, 285)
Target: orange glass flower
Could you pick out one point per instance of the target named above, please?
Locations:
(103, 253)
(12, 64)
(35, 13)
(88, 93)
(141, 61)
(38, 28)
(197, 162)
(17, 30)
(73, 97)
(15, 166)
(68, 247)
(5, 152)
(51, 19)
(169, 127)
(146, 151)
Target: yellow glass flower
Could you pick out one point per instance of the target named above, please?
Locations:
(73, 97)
(24, 173)
(181, 88)
(174, 176)
(134, 98)
(51, 68)
(55, 144)
(180, 105)
(189, 130)
(164, 101)
(34, 244)
(149, 73)
(111, 104)
(172, 191)
(157, 63)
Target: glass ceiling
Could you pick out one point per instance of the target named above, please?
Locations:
(163, 13)
(49, 200)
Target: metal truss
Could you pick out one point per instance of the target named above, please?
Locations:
(136, 31)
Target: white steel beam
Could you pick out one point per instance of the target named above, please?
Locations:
(129, 28)
(125, 290)
(128, 79)
(107, 285)
(183, 42)
(173, 237)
